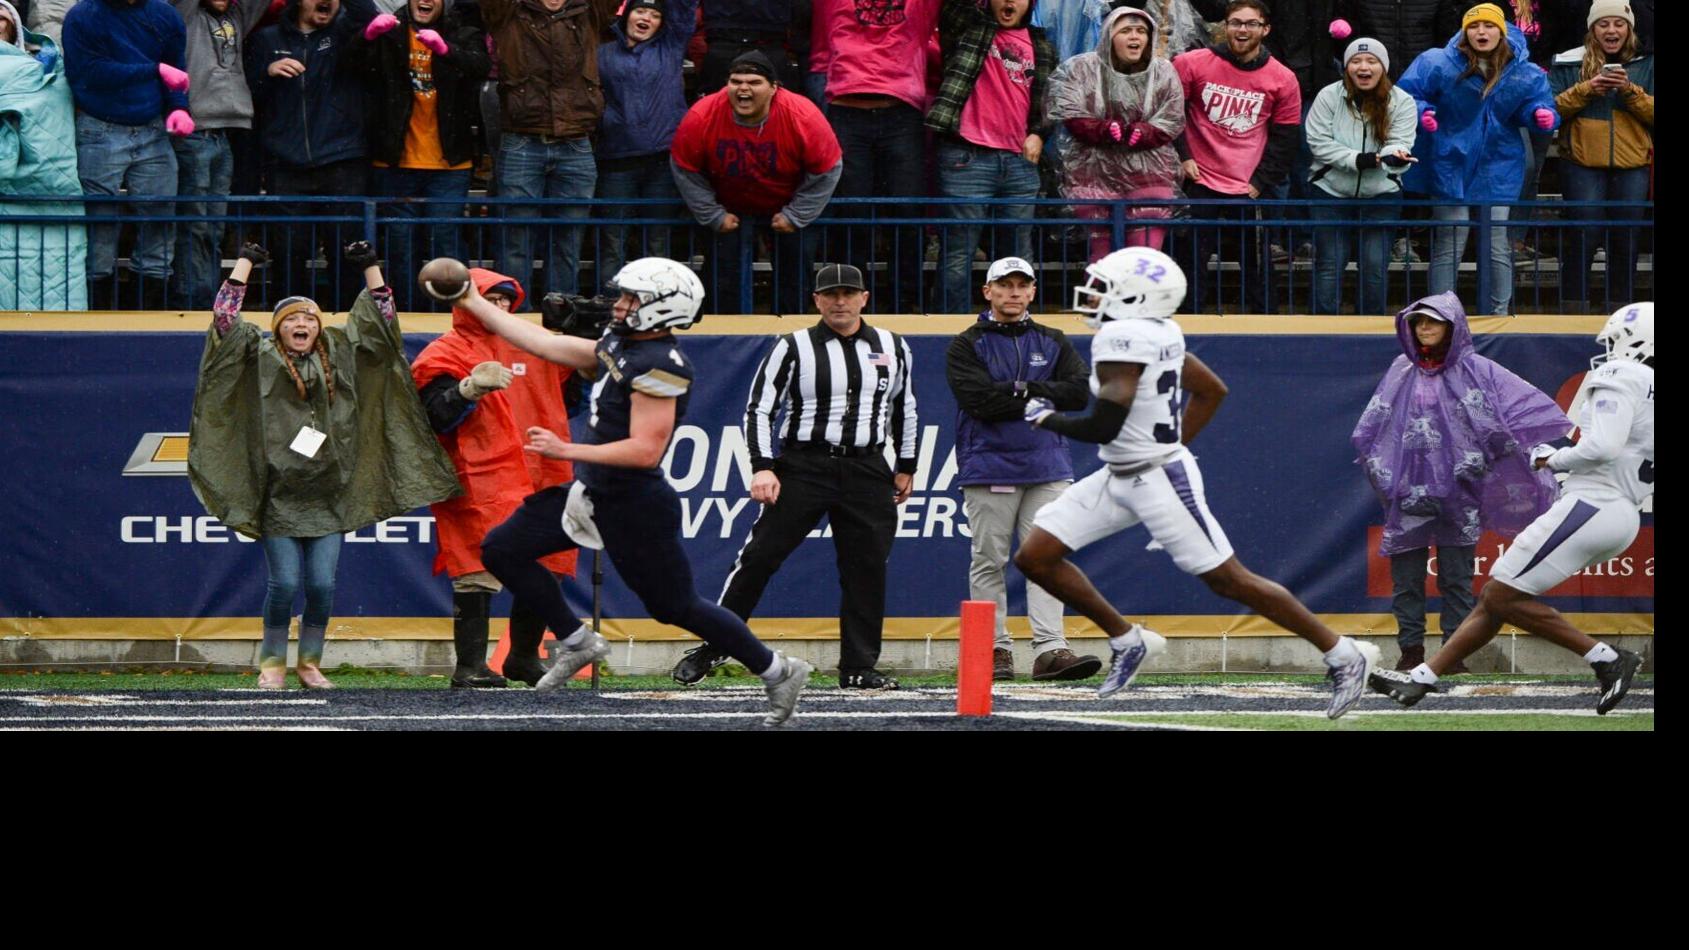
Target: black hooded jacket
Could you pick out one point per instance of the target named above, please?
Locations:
(457, 78)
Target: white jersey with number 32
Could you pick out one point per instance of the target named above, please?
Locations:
(1153, 426)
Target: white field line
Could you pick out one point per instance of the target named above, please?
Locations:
(61, 701)
(517, 717)
(49, 727)
(1132, 713)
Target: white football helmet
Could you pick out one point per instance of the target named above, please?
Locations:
(1133, 283)
(671, 297)
(1628, 334)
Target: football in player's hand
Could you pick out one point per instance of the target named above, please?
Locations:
(444, 278)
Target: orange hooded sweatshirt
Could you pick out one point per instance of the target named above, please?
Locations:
(486, 448)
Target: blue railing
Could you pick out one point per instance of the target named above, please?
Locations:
(1238, 257)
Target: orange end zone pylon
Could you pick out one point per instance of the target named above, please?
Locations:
(973, 660)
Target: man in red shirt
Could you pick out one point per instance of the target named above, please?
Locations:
(756, 155)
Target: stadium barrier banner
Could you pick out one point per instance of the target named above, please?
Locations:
(104, 537)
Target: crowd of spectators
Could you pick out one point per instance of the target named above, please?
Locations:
(752, 116)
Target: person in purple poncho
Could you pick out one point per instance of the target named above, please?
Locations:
(1445, 442)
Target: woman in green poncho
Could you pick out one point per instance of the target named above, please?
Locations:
(304, 436)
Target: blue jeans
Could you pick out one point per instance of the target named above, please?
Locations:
(1332, 252)
(292, 560)
(1536, 146)
(815, 88)
(137, 157)
(529, 167)
(793, 263)
(884, 151)
(205, 165)
(637, 176)
(407, 245)
(1449, 244)
(1601, 184)
(972, 171)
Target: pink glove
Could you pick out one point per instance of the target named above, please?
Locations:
(1341, 30)
(1114, 130)
(1428, 121)
(433, 41)
(179, 123)
(381, 24)
(174, 79)
(1545, 118)
(1137, 136)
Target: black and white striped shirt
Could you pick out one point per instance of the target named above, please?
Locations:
(843, 391)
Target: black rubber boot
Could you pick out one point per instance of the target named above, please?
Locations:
(527, 629)
(469, 635)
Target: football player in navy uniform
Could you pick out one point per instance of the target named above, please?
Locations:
(1141, 425)
(1609, 476)
(620, 502)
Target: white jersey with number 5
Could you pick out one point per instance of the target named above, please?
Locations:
(1614, 411)
(1152, 429)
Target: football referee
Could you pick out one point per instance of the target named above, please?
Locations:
(847, 391)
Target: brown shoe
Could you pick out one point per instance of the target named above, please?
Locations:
(1411, 657)
(1002, 664)
(1063, 664)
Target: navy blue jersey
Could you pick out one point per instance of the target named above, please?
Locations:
(625, 366)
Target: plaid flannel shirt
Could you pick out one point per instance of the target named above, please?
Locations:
(965, 32)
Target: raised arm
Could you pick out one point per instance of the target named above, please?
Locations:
(565, 350)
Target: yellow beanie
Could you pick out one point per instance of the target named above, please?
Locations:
(1484, 13)
(294, 305)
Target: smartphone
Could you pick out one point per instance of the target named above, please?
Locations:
(1612, 67)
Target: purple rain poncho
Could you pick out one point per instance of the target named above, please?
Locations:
(1446, 446)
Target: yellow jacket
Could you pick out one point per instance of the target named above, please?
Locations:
(1610, 130)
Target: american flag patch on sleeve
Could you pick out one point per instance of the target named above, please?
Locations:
(879, 359)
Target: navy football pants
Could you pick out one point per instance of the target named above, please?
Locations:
(639, 519)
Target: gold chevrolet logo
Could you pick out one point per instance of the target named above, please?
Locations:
(159, 453)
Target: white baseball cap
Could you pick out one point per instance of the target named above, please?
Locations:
(1003, 267)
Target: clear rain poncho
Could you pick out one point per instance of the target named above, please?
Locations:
(1089, 87)
(1446, 444)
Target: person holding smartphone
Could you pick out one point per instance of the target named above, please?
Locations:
(1360, 132)
(1604, 91)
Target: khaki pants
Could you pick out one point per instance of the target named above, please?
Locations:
(995, 517)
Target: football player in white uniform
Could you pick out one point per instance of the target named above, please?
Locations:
(1140, 374)
(1610, 473)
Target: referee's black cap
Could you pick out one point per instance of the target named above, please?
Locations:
(839, 275)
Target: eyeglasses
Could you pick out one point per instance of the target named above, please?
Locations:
(1250, 25)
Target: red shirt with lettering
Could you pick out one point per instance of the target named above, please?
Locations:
(1227, 111)
(755, 169)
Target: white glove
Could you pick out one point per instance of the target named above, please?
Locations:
(1542, 452)
(1038, 409)
(485, 378)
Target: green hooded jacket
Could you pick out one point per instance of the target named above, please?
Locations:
(380, 458)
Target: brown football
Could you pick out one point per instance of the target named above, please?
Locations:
(444, 278)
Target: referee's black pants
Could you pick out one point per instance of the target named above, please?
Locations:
(856, 496)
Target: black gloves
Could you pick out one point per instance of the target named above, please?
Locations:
(361, 255)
